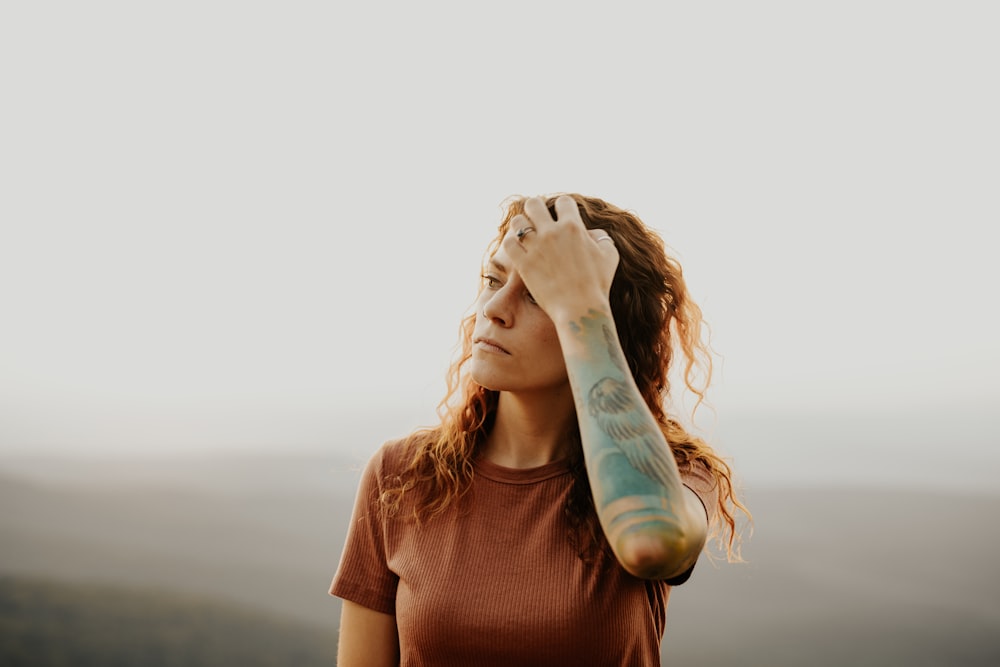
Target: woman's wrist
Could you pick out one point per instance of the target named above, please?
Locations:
(583, 329)
(568, 316)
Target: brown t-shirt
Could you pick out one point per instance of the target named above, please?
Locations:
(495, 580)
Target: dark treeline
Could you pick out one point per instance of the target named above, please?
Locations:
(79, 624)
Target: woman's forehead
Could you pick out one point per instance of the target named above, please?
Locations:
(499, 260)
(497, 263)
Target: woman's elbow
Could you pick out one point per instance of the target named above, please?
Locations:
(658, 553)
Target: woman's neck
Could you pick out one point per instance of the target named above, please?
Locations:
(530, 430)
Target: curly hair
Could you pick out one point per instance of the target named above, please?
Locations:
(655, 318)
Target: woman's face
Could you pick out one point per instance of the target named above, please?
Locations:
(514, 343)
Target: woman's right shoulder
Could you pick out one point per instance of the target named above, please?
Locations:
(392, 452)
(396, 455)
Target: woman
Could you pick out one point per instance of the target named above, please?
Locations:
(546, 518)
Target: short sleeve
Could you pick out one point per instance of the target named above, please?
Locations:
(697, 478)
(363, 576)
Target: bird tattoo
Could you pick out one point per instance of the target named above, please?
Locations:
(621, 418)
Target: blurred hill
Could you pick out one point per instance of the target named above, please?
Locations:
(70, 624)
(835, 575)
(266, 533)
(848, 576)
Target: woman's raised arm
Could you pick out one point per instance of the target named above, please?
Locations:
(655, 525)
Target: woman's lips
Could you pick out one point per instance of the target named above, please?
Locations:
(490, 345)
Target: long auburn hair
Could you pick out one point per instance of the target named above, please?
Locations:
(655, 318)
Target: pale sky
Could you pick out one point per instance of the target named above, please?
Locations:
(229, 225)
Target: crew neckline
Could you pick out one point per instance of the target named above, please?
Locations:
(499, 473)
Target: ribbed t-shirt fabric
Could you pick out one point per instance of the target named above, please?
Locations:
(495, 579)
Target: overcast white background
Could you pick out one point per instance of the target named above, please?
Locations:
(245, 226)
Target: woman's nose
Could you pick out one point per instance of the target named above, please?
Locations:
(498, 308)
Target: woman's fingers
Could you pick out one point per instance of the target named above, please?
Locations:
(606, 244)
(566, 209)
(519, 223)
(536, 218)
(559, 260)
(599, 235)
(538, 213)
(519, 232)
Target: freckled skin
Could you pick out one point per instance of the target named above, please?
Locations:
(507, 314)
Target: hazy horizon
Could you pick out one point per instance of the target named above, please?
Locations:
(916, 450)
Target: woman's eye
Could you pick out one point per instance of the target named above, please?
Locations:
(531, 298)
(491, 281)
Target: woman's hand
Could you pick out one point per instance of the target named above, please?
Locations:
(567, 268)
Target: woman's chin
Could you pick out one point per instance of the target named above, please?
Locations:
(486, 380)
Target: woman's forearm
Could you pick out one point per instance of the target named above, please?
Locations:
(642, 506)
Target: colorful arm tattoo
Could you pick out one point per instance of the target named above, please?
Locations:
(633, 475)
